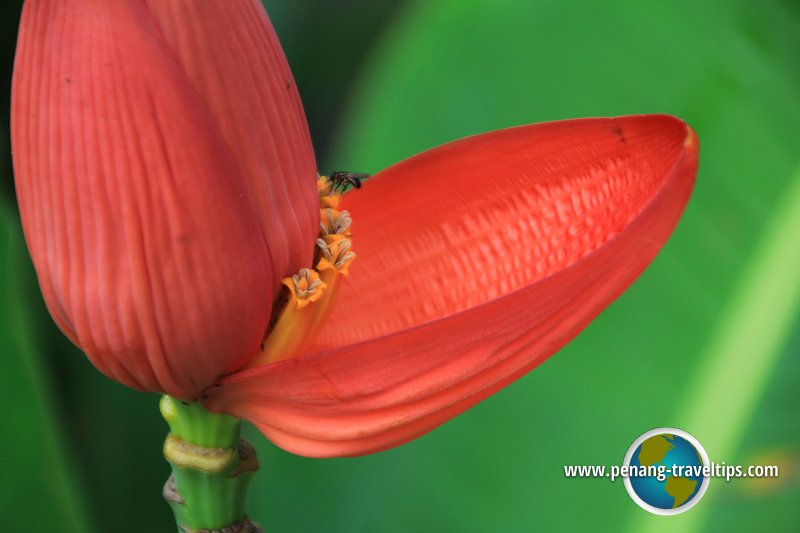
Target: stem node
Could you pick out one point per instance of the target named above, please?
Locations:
(211, 468)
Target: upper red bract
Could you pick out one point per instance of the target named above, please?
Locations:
(165, 179)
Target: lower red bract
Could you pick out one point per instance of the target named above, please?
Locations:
(407, 372)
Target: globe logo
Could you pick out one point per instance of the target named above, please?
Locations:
(668, 471)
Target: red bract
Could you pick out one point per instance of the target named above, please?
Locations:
(166, 184)
(165, 179)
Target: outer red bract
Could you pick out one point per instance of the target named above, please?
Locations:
(165, 179)
(166, 184)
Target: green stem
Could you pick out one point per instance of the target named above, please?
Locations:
(211, 467)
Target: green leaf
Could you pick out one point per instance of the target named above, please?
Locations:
(39, 486)
(742, 354)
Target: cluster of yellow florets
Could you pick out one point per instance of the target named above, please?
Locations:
(311, 291)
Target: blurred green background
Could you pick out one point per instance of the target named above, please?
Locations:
(706, 340)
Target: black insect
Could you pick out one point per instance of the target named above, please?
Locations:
(342, 179)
